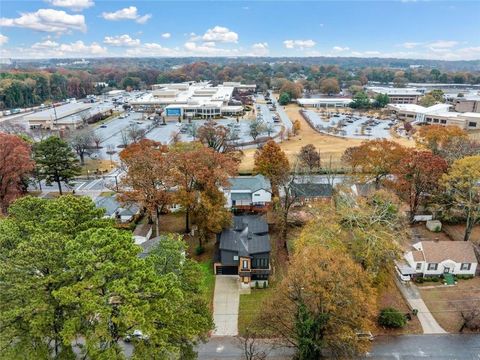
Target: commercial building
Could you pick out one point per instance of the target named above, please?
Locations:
(467, 103)
(190, 100)
(324, 102)
(397, 95)
(437, 114)
(68, 116)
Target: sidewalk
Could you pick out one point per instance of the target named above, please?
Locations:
(414, 299)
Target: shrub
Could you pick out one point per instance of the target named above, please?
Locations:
(199, 250)
(419, 280)
(265, 285)
(256, 285)
(391, 318)
(464, 277)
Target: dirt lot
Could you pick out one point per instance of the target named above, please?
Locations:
(390, 296)
(421, 233)
(456, 232)
(446, 303)
(329, 146)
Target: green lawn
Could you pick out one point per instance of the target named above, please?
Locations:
(250, 308)
(208, 281)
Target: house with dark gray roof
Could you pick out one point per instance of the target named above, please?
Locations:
(244, 249)
(308, 192)
(115, 210)
(248, 191)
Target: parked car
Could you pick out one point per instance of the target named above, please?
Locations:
(103, 126)
(136, 335)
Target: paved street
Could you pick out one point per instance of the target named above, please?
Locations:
(407, 347)
(226, 300)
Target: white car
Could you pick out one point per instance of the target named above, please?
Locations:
(136, 335)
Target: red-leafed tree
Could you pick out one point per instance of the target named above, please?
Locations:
(198, 173)
(417, 177)
(148, 179)
(15, 164)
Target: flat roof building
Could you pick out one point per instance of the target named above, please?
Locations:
(397, 95)
(324, 102)
(191, 99)
(61, 117)
(438, 114)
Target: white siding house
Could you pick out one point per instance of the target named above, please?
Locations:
(433, 258)
(248, 191)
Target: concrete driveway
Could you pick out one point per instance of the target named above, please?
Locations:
(226, 300)
(412, 295)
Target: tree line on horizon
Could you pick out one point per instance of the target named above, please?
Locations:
(29, 87)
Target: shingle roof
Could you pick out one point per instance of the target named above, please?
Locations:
(312, 190)
(418, 255)
(148, 245)
(241, 196)
(458, 251)
(252, 183)
(249, 235)
(111, 205)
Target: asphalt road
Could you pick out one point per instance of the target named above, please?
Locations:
(407, 347)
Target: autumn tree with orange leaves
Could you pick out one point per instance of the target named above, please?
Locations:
(15, 165)
(321, 305)
(271, 162)
(435, 137)
(198, 172)
(148, 179)
(374, 159)
(417, 176)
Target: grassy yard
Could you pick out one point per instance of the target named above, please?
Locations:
(208, 281)
(96, 166)
(447, 302)
(250, 308)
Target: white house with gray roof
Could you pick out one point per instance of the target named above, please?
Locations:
(248, 191)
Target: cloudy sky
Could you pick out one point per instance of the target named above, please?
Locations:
(448, 30)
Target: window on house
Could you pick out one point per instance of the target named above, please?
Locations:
(472, 124)
(432, 266)
(443, 121)
(260, 263)
(419, 266)
(235, 257)
(245, 264)
(256, 194)
(465, 266)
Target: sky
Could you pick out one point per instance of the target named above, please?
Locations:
(416, 29)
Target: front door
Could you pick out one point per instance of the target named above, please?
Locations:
(446, 270)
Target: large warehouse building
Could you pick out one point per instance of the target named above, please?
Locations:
(68, 116)
(193, 100)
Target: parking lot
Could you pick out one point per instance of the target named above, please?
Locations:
(351, 126)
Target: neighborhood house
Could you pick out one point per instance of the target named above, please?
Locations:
(433, 258)
(244, 250)
(115, 210)
(248, 191)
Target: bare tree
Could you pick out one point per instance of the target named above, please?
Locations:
(135, 133)
(175, 137)
(85, 116)
(81, 141)
(252, 348)
(257, 127)
(125, 138)
(97, 139)
(111, 151)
